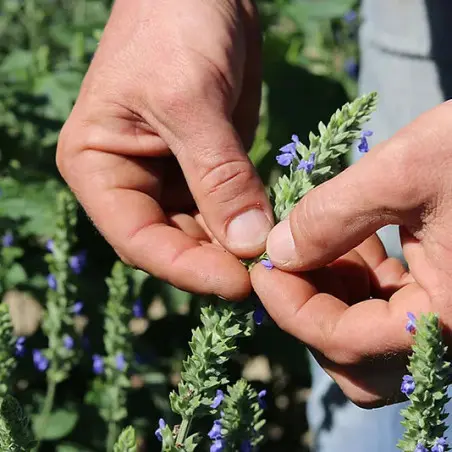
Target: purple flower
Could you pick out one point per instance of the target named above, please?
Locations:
(351, 68)
(267, 264)
(51, 281)
(246, 446)
(8, 240)
(20, 346)
(411, 324)
(218, 445)
(260, 399)
(218, 399)
(407, 387)
(440, 445)
(78, 262)
(158, 432)
(307, 165)
(40, 361)
(68, 342)
(120, 361)
(77, 308)
(420, 448)
(363, 145)
(215, 431)
(50, 245)
(137, 309)
(350, 16)
(288, 152)
(98, 364)
(259, 314)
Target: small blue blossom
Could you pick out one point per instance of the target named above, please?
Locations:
(77, 308)
(351, 67)
(440, 445)
(158, 432)
(407, 387)
(411, 324)
(288, 152)
(137, 309)
(363, 145)
(420, 448)
(120, 361)
(267, 264)
(260, 399)
(218, 399)
(20, 346)
(51, 281)
(68, 342)
(259, 314)
(40, 361)
(98, 364)
(8, 240)
(215, 431)
(218, 445)
(50, 246)
(246, 446)
(307, 165)
(350, 16)
(78, 262)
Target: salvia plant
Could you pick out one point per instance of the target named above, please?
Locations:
(234, 410)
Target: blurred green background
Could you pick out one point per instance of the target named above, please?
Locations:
(310, 69)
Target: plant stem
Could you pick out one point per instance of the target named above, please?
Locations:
(46, 410)
(183, 430)
(112, 435)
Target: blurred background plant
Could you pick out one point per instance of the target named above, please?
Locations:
(310, 69)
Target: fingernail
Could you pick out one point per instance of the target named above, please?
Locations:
(249, 230)
(280, 244)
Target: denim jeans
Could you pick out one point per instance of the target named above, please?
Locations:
(406, 56)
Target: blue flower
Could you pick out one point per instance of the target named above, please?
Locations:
(351, 67)
(137, 309)
(158, 432)
(267, 264)
(411, 324)
(420, 448)
(218, 445)
(40, 361)
(215, 431)
(8, 240)
(259, 314)
(307, 165)
(77, 308)
(50, 245)
(288, 152)
(246, 446)
(218, 399)
(68, 342)
(78, 262)
(363, 145)
(120, 361)
(51, 281)
(350, 16)
(260, 399)
(20, 346)
(407, 387)
(98, 364)
(440, 445)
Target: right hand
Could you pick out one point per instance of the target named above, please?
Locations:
(155, 147)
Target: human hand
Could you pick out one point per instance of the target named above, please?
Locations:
(350, 303)
(159, 131)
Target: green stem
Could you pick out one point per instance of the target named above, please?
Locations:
(46, 410)
(112, 435)
(183, 430)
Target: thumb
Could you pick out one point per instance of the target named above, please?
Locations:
(226, 187)
(381, 189)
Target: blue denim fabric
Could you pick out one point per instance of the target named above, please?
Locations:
(406, 56)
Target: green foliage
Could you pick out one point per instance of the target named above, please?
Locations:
(7, 343)
(127, 441)
(424, 418)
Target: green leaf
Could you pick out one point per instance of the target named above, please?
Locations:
(60, 423)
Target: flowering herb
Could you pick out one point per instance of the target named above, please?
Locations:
(138, 309)
(40, 361)
(78, 307)
(8, 240)
(20, 346)
(259, 315)
(411, 324)
(363, 145)
(158, 432)
(407, 387)
(77, 262)
(267, 264)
